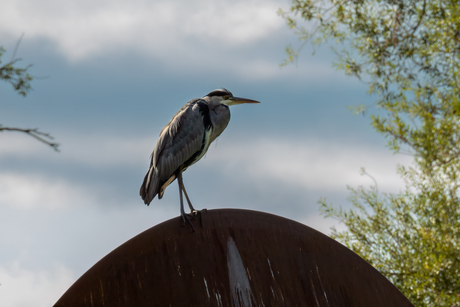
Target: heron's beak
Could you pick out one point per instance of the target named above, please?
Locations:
(238, 100)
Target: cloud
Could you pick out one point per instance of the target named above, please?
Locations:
(231, 22)
(297, 163)
(21, 287)
(81, 29)
(95, 150)
(283, 176)
(309, 163)
(200, 38)
(27, 191)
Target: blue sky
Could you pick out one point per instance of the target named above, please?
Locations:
(110, 75)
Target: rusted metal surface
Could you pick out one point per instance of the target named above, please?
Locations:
(235, 258)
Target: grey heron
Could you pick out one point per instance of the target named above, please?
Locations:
(185, 140)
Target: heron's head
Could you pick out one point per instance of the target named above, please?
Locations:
(224, 96)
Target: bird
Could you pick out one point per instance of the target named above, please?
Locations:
(184, 141)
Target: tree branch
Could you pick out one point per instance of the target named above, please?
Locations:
(18, 77)
(41, 136)
(16, 48)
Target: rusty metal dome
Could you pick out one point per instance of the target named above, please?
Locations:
(235, 258)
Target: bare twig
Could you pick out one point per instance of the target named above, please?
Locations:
(41, 136)
(16, 48)
(363, 172)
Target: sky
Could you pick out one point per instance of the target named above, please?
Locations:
(110, 74)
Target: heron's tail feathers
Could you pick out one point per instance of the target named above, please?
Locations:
(151, 186)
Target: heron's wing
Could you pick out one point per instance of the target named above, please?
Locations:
(180, 144)
(181, 139)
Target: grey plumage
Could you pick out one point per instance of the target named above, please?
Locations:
(185, 140)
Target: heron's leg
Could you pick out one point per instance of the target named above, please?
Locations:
(188, 199)
(182, 212)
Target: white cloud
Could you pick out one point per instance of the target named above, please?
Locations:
(188, 37)
(95, 150)
(104, 151)
(20, 144)
(309, 164)
(27, 191)
(262, 69)
(21, 287)
(81, 29)
(232, 22)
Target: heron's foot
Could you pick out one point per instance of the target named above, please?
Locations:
(187, 217)
(198, 214)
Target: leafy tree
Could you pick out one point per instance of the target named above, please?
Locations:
(408, 52)
(20, 79)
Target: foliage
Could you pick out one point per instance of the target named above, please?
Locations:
(408, 52)
(16, 76)
(20, 79)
